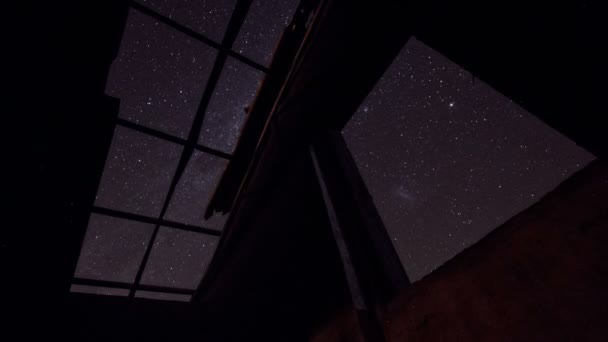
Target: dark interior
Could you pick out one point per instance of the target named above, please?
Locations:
(277, 274)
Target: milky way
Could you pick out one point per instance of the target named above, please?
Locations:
(160, 75)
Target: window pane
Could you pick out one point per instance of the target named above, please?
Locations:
(107, 291)
(159, 75)
(113, 249)
(447, 158)
(226, 112)
(194, 190)
(178, 259)
(209, 17)
(138, 173)
(163, 296)
(262, 28)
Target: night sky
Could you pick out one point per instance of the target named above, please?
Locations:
(445, 157)
(160, 75)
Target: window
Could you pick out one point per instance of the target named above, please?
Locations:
(176, 128)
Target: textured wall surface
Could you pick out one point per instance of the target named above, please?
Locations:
(541, 276)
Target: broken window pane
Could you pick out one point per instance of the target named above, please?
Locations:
(227, 108)
(106, 291)
(447, 158)
(178, 259)
(262, 28)
(138, 173)
(163, 296)
(113, 249)
(209, 17)
(194, 190)
(159, 75)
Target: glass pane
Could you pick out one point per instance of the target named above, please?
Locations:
(209, 17)
(107, 291)
(262, 28)
(113, 249)
(159, 75)
(227, 109)
(194, 190)
(163, 296)
(447, 158)
(178, 259)
(138, 173)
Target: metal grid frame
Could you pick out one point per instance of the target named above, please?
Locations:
(190, 144)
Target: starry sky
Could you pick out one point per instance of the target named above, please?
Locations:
(447, 158)
(160, 75)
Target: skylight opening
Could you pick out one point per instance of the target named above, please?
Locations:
(145, 239)
(447, 158)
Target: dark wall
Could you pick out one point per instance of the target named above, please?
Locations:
(542, 276)
(281, 275)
